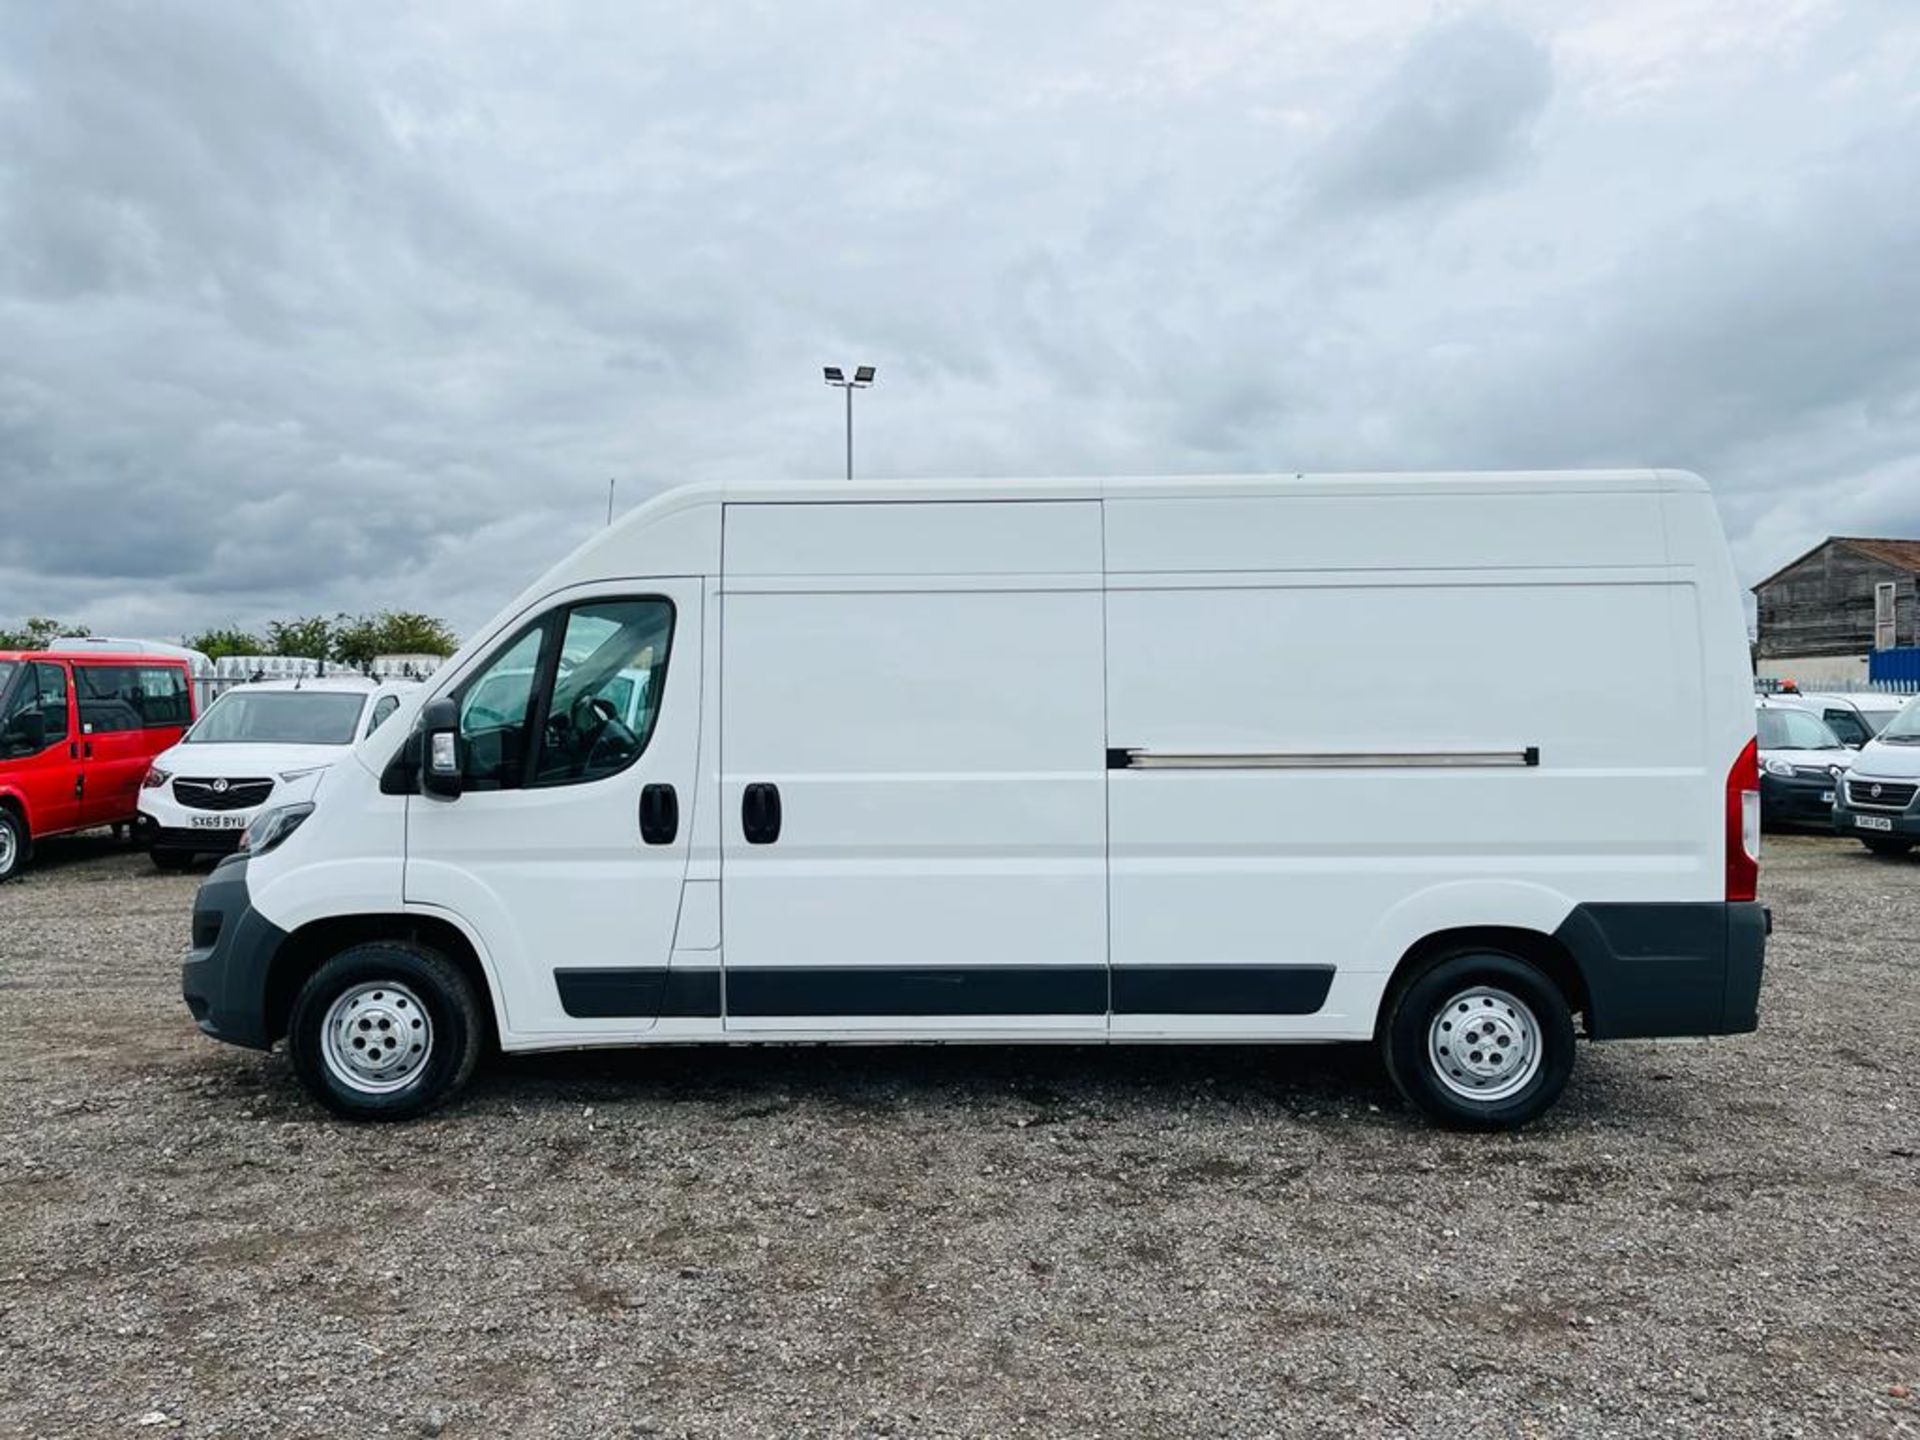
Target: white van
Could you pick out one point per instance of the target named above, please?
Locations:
(1299, 759)
(1855, 716)
(1879, 803)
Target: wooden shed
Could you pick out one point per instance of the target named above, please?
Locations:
(1846, 597)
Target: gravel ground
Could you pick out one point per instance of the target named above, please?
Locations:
(1702, 1239)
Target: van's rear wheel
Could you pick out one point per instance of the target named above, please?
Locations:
(385, 1031)
(1479, 1040)
(13, 844)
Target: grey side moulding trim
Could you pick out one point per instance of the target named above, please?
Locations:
(1322, 760)
(661, 992)
(875, 991)
(1656, 969)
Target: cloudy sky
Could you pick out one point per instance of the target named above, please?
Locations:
(316, 306)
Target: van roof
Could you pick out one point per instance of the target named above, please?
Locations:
(1082, 487)
(121, 657)
(1859, 699)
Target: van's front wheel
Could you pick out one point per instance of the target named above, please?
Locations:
(1479, 1040)
(13, 843)
(385, 1031)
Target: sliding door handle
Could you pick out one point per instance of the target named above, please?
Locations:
(659, 814)
(760, 813)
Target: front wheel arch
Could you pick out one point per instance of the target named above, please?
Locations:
(313, 944)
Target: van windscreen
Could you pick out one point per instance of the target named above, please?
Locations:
(1904, 728)
(1795, 730)
(7, 667)
(279, 717)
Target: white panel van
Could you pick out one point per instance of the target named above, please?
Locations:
(1298, 759)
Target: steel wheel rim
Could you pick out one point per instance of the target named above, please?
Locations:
(1484, 1044)
(376, 1038)
(9, 849)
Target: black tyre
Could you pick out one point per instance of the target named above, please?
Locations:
(14, 844)
(1891, 845)
(385, 1031)
(171, 859)
(1479, 1040)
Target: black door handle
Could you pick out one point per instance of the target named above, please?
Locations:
(760, 813)
(659, 814)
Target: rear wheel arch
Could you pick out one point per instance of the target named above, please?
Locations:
(313, 944)
(1542, 951)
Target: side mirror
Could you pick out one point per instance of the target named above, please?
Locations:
(440, 766)
(28, 733)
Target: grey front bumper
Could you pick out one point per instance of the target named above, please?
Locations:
(225, 973)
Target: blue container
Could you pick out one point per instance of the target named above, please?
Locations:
(1897, 669)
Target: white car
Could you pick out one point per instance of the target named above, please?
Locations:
(1880, 802)
(242, 752)
(1801, 761)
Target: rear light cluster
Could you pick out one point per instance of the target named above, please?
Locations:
(1743, 824)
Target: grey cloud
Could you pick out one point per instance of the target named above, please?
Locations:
(315, 308)
(1457, 108)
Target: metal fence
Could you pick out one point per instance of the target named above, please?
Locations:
(1870, 686)
(232, 670)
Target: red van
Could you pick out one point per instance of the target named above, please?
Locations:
(77, 732)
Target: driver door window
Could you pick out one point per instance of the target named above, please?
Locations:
(573, 698)
(494, 712)
(1851, 729)
(605, 694)
(37, 717)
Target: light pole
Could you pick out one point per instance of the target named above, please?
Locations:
(862, 378)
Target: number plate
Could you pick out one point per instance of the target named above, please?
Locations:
(1873, 822)
(216, 822)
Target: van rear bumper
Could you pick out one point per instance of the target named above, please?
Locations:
(223, 977)
(1655, 969)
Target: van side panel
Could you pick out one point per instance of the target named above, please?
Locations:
(935, 732)
(1348, 865)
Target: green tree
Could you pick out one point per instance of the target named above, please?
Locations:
(391, 632)
(310, 636)
(403, 632)
(356, 642)
(38, 630)
(218, 643)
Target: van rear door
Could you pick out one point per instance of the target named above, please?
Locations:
(913, 803)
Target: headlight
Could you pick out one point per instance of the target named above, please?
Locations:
(1779, 767)
(301, 773)
(270, 827)
(156, 777)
